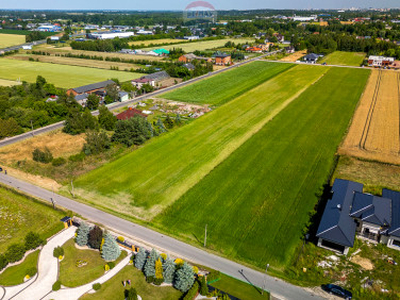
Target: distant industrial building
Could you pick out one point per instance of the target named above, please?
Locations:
(49, 28)
(109, 35)
(380, 61)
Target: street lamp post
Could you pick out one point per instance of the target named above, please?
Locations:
(265, 280)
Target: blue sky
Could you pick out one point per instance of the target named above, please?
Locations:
(180, 5)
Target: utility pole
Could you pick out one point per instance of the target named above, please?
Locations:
(72, 189)
(31, 125)
(265, 280)
(205, 236)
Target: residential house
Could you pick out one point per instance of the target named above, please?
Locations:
(82, 99)
(90, 88)
(351, 212)
(254, 49)
(158, 76)
(223, 59)
(186, 58)
(290, 49)
(138, 83)
(311, 58)
(123, 96)
(189, 66)
(130, 113)
(380, 61)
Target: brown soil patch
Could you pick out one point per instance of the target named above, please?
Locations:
(294, 56)
(59, 143)
(365, 263)
(374, 132)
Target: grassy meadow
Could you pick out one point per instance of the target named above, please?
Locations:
(19, 215)
(8, 40)
(262, 193)
(226, 86)
(60, 75)
(205, 45)
(8, 82)
(342, 58)
(143, 183)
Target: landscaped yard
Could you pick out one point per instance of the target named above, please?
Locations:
(15, 275)
(60, 75)
(226, 86)
(8, 40)
(72, 275)
(343, 58)
(144, 182)
(239, 289)
(113, 288)
(261, 195)
(19, 215)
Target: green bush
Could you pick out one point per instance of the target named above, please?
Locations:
(59, 161)
(77, 157)
(150, 279)
(58, 251)
(56, 286)
(33, 240)
(96, 286)
(192, 292)
(42, 156)
(31, 271)
(158, 281)
(111, 264)
(130, 294)
(3, 262)
(15, 252)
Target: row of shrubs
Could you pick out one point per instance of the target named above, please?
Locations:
(15, 252)
(45, 156)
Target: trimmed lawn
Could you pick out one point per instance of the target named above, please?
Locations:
(20, 214)
(205, 45)
(257, 202)
(8, 40)
(15, 275)
(226, 86)
(239, 289)
(73, 276)
(343, 58)
(144, 182)
(60, 75)
(113, 288)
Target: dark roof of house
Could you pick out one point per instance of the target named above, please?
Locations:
(122, 94)
(189, 66)
(336, 224)
(311, 56)
(142, 80)
(394, 229)
(93, 86)
(81, 97)
(222, 55)
(371, 209)
(157, 76)
(130, 113)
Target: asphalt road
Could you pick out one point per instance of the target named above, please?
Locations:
(278, 288)
(20, 46)
(116, 105)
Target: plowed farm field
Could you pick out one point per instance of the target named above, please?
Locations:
(374, 133)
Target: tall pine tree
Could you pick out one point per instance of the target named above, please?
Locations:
(150, 266)
(140, 258)
(83, 234)
(159, 272)
(110, 249)
(169, 270)
(184, 278)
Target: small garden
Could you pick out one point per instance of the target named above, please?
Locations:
(88, 257)
(17, 274)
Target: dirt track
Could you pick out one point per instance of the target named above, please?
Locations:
(374, 132)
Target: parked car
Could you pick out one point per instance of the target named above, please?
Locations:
(337, 290)
(324, 64)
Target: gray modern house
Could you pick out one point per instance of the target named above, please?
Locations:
(351, 212)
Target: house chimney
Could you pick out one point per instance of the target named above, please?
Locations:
(339, 207)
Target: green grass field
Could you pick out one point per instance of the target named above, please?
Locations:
(205, 45)
(8, 40)
(19, 215)
(144, 182)
(23, 32)
(342, 58)
(60, 75)
(113, 288)
(226, 86)
(71, 276)
(4, 82)
(15, 275)
(257, 201)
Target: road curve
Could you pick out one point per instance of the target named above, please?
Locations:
(278, 288)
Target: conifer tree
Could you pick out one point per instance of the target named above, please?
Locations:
(159, 272)
(184, 278)
(169, 270)
(150, 266)
(83, 234)
(110, 249)
(140, 258)
(203, 286)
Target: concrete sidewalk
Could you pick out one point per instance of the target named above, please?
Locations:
(76, 293)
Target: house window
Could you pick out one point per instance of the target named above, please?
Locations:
(333, 246)
(396, 243)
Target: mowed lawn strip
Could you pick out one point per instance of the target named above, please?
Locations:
(257, 201)
(226, 86)
(342, 58)
(62, 76)
(19, 215)
(15, 274)
(144, 182)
